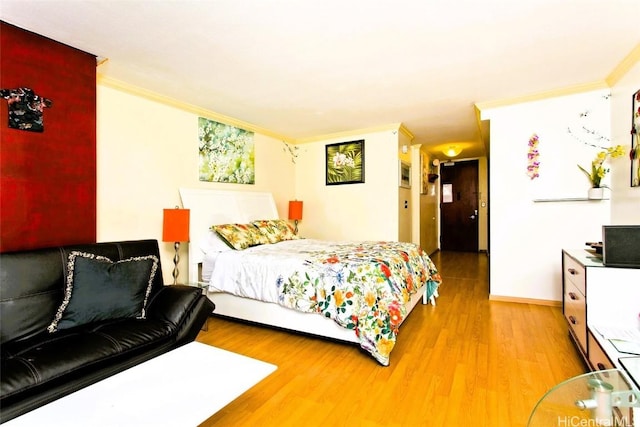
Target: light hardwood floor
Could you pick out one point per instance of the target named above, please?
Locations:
(466, 362)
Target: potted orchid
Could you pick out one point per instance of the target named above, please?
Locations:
(598, 168)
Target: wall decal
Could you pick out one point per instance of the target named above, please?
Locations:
(533, 164)
(25, 108)
(634, 153)
(226, 153)
(292, 150)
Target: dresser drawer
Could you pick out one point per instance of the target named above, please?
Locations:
(574, 272)
(575, 311)
(597, 357)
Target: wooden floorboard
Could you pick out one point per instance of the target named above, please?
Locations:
(466, 362)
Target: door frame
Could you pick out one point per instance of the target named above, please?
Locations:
(483, 202)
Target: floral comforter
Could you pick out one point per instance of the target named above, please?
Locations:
(362, 286)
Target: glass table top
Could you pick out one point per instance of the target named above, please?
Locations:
(600, 398)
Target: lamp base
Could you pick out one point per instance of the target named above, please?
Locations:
(295, 228)
(176, 260)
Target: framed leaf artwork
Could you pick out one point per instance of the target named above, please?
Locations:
(345, 163)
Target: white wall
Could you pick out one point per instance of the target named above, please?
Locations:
(146, 151)
(366, 211)
(625, 200)
(526, 236)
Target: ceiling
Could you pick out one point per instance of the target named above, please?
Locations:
(306, 68)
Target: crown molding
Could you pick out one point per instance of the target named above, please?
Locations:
(569, 90)
(623, 67)
(153, 96)
(403, 129)
(397, 127)
(614, 77)
(202, 112)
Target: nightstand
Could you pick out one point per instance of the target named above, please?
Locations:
(202, 286)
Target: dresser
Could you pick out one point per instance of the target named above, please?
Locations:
(596, 298)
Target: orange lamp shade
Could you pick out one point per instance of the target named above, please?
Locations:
(175, 225)
(295, 210)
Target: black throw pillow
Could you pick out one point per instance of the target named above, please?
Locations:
(99, 289)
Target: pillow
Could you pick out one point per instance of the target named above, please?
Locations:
(100, 289)
(212, 242)
(240, 236)
(276, 230)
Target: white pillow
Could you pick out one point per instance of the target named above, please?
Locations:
(212, 242)
(208, 263)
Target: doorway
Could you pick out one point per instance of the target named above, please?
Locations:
(459, 206)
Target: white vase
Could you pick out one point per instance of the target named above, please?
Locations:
(596, 193)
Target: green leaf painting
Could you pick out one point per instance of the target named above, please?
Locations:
(345, 163)
(226, 153)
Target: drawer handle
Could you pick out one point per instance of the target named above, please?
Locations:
(601, 366)
(573, 271)
(573, 320)
(573, 296)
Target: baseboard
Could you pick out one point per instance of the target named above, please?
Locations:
(534, 301)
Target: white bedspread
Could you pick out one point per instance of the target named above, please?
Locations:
(252, 273)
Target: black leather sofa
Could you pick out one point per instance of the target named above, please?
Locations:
(50, 349)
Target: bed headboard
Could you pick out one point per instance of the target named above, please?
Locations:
(209, 207)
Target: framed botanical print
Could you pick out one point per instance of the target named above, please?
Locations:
(345, 163)
(424, 174)
(404, 175)
(226, 153)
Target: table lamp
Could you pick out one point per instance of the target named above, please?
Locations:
(175, 228)
(295, 213)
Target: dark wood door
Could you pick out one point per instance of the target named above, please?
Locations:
(459, 206)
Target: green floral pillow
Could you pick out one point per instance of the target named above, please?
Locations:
(240, 236)
(275, 230)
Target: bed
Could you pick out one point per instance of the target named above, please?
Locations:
(363, 290)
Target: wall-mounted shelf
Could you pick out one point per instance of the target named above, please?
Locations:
(570, 199)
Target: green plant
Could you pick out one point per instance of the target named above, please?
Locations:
(598, 169)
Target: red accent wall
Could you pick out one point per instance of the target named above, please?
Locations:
(48, 179)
